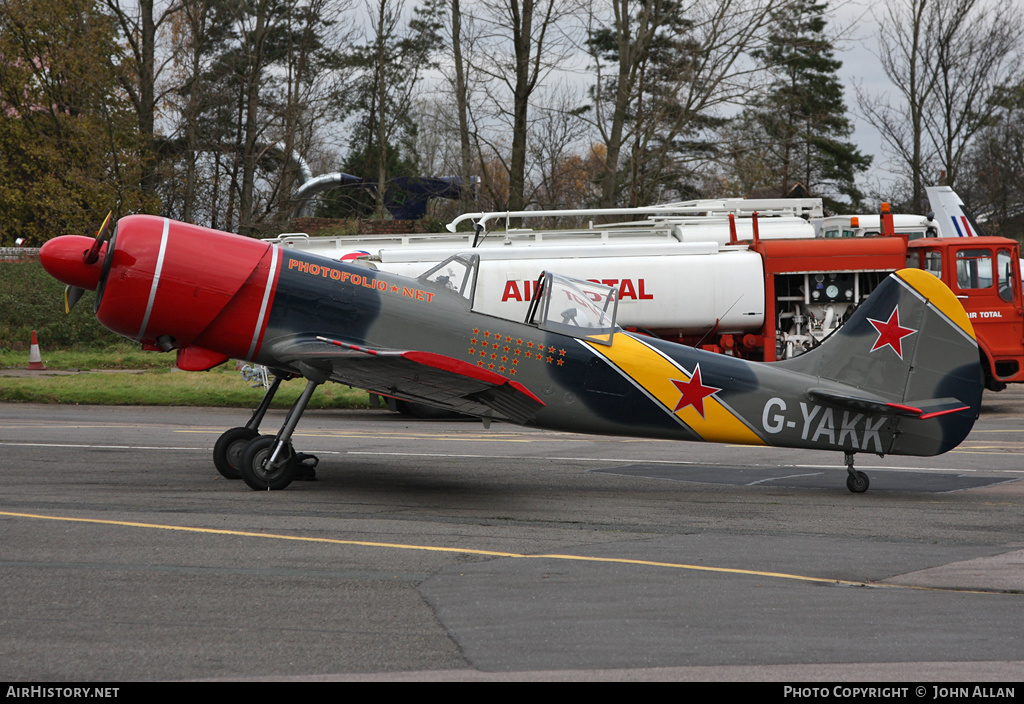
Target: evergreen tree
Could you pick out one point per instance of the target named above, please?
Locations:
(388, 68)
(251, 102)
(801, 121)
(649, 54)
(666, 72)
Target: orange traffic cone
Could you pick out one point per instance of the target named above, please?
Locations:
(35, 360)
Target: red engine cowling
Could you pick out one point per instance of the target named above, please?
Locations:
(171, 285)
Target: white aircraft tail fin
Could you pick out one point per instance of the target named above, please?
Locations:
(952, 216)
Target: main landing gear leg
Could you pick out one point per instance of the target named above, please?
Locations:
(230, 446)
(272, 463)
(856, 481)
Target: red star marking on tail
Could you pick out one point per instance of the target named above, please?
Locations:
(694, 392)
(891, 333)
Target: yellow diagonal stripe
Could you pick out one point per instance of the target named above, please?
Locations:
(655, 373)
(940, 296)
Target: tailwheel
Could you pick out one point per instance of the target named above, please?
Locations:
(228, 452)
(261, 470)
(856, 481)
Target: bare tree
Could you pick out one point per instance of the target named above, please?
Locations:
(664, 69)
(556, 137)
(527, 41)
(255, 24)
(906, 52)
(141, 23)
(457, 48)
(978, 50)
(309, 83)
(992, 180)
(196, 31)
(945, 59)
(388, 67)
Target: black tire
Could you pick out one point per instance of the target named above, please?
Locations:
(255, 472)
(228, 452)
(857, 482)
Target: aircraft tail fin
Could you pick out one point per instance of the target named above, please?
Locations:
(909, 352)
(951, 215)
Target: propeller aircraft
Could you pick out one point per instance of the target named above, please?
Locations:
(901, 377)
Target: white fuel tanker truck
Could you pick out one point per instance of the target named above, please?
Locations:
(750, 278)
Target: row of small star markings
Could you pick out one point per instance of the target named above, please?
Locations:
(496, 341)
(538, 355)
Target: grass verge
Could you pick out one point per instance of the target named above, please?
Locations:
(119, 356)
(159, 385)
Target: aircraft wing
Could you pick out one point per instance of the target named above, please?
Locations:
(411, 375)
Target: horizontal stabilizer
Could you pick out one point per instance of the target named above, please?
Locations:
(916, 409)
(858, 403)
(935, 407)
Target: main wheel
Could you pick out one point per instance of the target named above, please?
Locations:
(227, 453)
(857, 482)
(256, 471)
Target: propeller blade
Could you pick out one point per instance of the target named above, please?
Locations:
(72, 294)
(93, 254)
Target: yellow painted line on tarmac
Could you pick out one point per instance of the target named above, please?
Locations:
(487, 553)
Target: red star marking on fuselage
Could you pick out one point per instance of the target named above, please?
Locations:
(891, 333)
(693, 392)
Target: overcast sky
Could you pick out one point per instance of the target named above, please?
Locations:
(857, 20)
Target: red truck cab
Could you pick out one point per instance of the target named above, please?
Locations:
(984, 273)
